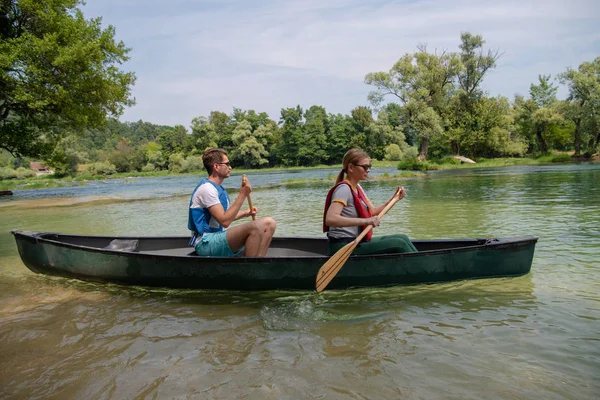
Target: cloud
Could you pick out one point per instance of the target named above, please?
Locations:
(192, 57)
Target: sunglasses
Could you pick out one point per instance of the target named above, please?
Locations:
(366, 167)
(224, 163)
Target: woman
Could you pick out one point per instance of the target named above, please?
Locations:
(348, 211)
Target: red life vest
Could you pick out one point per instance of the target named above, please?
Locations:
(360, 201)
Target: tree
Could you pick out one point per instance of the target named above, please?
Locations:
(475, 64)
(249, 147)
(539, 116)
(291, 135)
(584, 96)
(58, 73)
(223, 128)
(173, 140)
(314, 148)
(341, 129)
(204, 134)
(423, 79)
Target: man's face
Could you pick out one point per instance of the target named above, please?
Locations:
(223, 168)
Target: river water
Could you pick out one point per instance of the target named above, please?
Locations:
(531, 337)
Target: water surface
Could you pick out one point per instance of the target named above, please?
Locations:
(531, 337)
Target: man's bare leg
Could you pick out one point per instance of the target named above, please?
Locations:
(267, 226)
(255, 236)
(247, 235)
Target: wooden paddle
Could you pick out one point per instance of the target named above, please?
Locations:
(244, 181)
(330, 269)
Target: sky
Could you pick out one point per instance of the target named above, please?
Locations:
(195, 56)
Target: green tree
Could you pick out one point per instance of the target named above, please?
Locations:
(64, 157)
(204, 134)
(291, 135)
(584, 99)
(58, 73)
(475, 64)
(173, 140)
(249, 147)
(539, 116)
(314, 144)
(424, 80)
(223, 128)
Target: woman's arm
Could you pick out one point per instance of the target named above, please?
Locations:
(334, 218)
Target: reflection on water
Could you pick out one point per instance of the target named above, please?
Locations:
(534, 336)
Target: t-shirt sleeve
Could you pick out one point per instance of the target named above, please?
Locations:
(342, 194)
(205, 197)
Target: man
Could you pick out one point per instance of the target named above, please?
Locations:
(210, 211)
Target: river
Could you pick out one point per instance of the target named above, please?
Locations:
(530, 337)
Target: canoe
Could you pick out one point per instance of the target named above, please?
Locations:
(291, 262)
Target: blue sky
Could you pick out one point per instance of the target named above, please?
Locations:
(195, 56)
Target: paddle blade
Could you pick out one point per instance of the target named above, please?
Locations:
(330, 269)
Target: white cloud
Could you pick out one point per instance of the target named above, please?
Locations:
(192, 57)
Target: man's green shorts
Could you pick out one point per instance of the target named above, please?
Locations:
(215, 245)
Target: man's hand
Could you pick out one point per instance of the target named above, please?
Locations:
(246, 188)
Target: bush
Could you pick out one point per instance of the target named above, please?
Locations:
(23, 173)
(175, 162)
(450, 160)
(7, 173)
(410, 155)
(417, 165)
(393, 152)
(192, 163)
(148, 168)
(101, 168)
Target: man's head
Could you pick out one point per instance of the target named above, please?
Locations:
(212, 157)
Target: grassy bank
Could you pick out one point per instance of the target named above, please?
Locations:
(50, 181)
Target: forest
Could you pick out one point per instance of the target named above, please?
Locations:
(63, 89)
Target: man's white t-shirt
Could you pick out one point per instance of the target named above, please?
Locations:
(205, 197)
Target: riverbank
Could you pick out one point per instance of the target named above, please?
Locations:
(50, 181)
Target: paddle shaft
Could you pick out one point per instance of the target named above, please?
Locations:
(251, 209)
(379, 216)
(244, 180)
(330, 269)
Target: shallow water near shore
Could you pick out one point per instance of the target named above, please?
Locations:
(532, 337)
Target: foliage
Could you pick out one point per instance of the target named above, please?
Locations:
(250, 145)
(176, 162)
(19, 173)
(422, 82)
(192, 164)
(393, 152)
(101, 168)
(584, 104)
(58, 72)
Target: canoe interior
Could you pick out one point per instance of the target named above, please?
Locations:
(280, 246)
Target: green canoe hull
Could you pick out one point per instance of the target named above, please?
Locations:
(292, 263)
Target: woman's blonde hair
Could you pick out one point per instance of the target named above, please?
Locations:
(352, 156)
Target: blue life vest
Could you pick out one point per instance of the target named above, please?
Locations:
(199, 218)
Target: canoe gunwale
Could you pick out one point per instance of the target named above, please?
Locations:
(488, 243)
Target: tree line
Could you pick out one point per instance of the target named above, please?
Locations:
(62, 89)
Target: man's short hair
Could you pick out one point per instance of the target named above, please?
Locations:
(212, 156)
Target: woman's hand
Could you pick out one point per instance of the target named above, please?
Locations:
(400, 193)
(373, 221)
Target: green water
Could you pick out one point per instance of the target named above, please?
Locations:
(532, 337)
